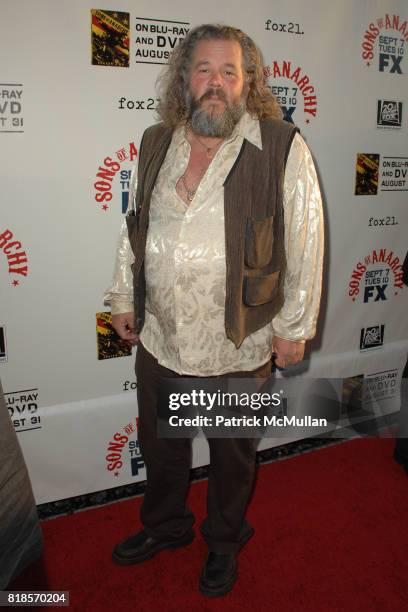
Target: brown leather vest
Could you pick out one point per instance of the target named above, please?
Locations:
(254, 226)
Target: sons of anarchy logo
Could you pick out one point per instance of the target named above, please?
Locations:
(377, 277)
(386, 38)
(156, 39)
(109, 169)
(17, 260)
(292, 88)
(124, 449)
(23, 409)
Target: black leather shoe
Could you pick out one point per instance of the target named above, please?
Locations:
(140, 547)
(401, 459)
(219, 574)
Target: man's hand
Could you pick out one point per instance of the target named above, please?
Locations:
(124, 325)
(288, 352)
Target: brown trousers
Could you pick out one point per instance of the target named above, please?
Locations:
(164, 513)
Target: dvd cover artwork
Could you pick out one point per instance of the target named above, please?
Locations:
(367, 173)
(110, 38)
(109, 344)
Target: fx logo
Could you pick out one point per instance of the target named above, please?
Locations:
(378, 295)
(287, 113)
(136, 464)
(385, 61)
(125, 201)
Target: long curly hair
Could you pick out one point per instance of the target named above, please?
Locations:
(173, 83)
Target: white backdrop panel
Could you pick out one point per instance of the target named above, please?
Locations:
(72, 122)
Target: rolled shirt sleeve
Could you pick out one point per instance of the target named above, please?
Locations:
(119, 296)
(304, 245)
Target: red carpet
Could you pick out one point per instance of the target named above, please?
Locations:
(331, 535)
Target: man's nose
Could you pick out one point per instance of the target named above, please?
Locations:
(216, 79)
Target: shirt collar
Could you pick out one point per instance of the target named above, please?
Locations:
(247, 127)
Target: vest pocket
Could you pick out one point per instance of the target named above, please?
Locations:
(258, 242)
(259, 290)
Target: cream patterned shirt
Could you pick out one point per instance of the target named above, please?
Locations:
(185, 262)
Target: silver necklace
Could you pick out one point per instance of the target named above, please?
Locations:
(190, 192)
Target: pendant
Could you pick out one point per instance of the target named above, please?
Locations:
(190, 195)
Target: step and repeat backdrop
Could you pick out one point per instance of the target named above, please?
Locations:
(77, 90)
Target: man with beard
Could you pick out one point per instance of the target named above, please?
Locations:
(226, 248)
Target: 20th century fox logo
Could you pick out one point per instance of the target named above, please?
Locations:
(372, 337)
(389, 114)
(3, 344)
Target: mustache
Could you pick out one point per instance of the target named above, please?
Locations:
(213, 92)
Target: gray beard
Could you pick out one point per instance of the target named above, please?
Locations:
(203, 123)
